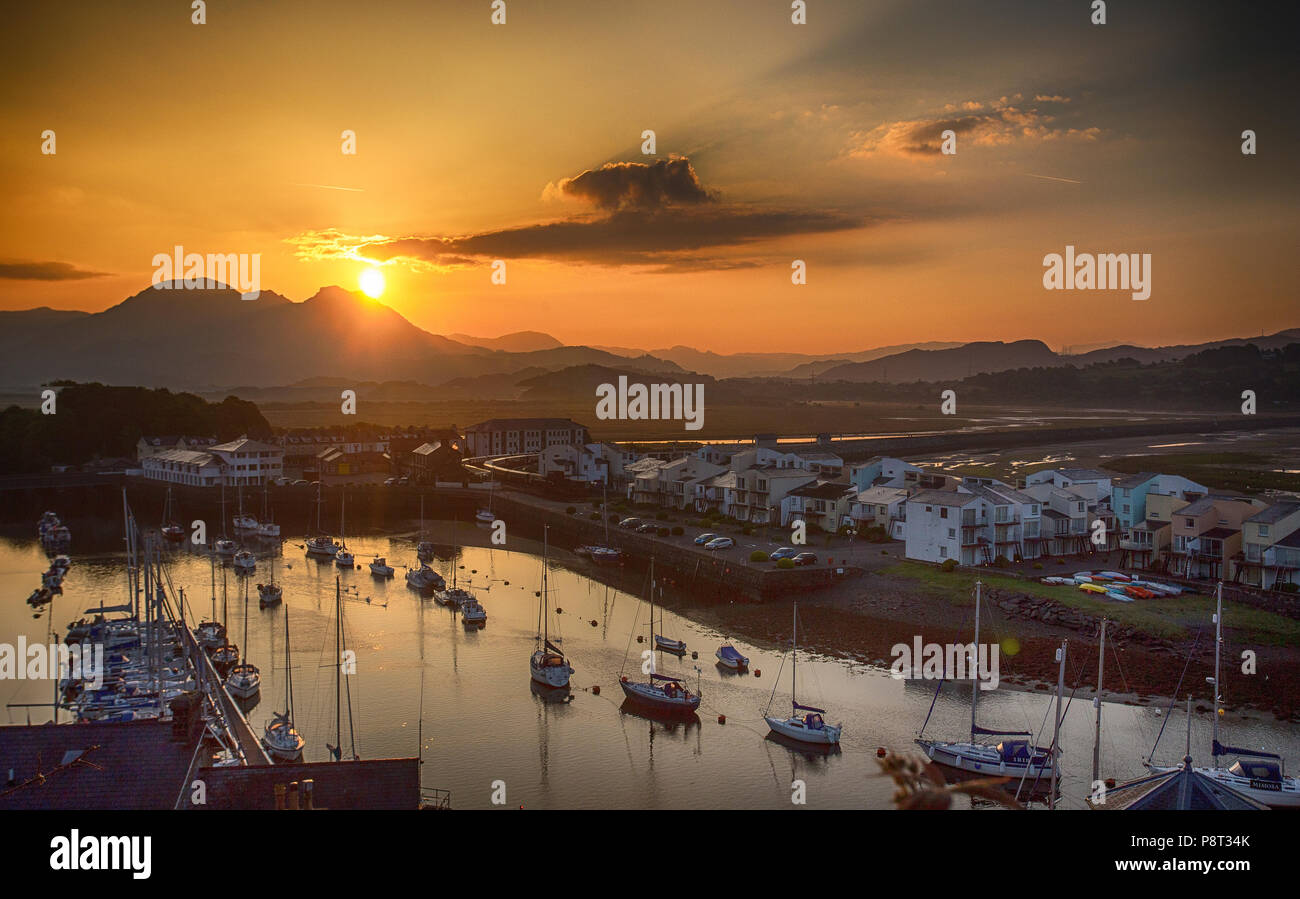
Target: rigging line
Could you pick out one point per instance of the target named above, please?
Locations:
(921, 732)
(1174, 699)
(1115, 652)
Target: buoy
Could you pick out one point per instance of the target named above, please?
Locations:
(758, 672)
(596, 690)
(1110, 783)
(880, 752)
(722, 719)
(507, 583)
(593, 622)
(623, 679)
(559, 611)
(695, 655)
(640, 639)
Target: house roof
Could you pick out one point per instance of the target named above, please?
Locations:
(943, 498)
(1275, 512)
(1221, 533)
(1135, 480)
(1152, 524)
(882, 495)
(244, 444)
(186, 457)
(822, 490)
(127, 765)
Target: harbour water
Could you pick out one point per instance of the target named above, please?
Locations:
(484, 724)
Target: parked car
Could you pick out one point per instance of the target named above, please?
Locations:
(647, 527)
(705, 538)
(720, 543)
(630, 523)
(388, 482)
(785, 552)
(300, 483)
(806, 559)
(403, 481)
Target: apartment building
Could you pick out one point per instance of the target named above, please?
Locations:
(1266, 559)
(506, 436)
(934, 530)
(886, 471)
(881, 507)
(237, 463)
(758, 492)
(1065, 478)
(591, 463)
(1207, 534)
(825, 504)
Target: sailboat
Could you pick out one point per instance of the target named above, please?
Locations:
(171, 530)
(676, 647)
(810, 727)
(245, 562)
(269, 593)
(225, 656)
(225, 546)
(1257, 774)
(243, 522)
(604, 552)
(267, 527)
(547, 664)
(1014, 756)
(485, 516)
(661, 692)
(211, 633)
(244, 680)
(336, 750)
(423, 549)
(280, 738)
(343, 557)
(320, 544)
(453, 596)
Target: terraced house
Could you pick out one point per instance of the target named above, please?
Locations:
(1270, 554)
(1207, 534)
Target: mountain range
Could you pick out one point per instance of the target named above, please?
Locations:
(213, 340)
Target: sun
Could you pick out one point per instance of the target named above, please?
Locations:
(372, 282)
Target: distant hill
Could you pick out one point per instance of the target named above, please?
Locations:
(518, 342)
(940, 365)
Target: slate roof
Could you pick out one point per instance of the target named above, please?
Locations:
(127, 765)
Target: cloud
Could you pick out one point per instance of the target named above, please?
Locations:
(636, 185)
(655, 215)
(45, 271)
(1001, 122)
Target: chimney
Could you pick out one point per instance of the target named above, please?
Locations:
(308, 792)
(293, 796)
(279, 797)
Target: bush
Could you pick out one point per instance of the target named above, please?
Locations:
(758, 556)
(1038, 566)
(662, 532)
(570, 510)
(678, 530)
(594, 516)
(949, 565)
(1001, 562)
(785, 563)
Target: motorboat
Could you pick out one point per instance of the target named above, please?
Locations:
(380, 568)
(729, 657)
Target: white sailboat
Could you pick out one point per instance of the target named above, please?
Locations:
(547, 665)
(810, 727)
(270, 593)
(280, 738)
(1015, 756)
(423, 549)
(453, 596)
(210, 632)
(267, 526)
(660, 692)
(485, 516)
(343, 557)
(321, 544)
(244, 680)
(171, 530)
(243, 523)
(224, 546)
(1257, 774)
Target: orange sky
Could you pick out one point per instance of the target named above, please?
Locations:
(815, 142)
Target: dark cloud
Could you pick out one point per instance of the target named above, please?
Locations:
(638, 185)
(627, 237)
(45, 271)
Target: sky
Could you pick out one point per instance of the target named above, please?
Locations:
(774, 142)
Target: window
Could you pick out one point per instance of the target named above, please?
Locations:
(1126, 509)
(943, 552)
(943, 512)
(952, 533)
(1189, 522)
(1263, 530)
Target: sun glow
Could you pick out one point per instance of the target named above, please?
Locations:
(372, 282)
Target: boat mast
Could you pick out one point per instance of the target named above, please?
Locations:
(794, 654)
(975, 648)
(1056, 734)
(604, 507)
(288, 665)
(653, 648)
(338, 667)
(243, 648)
(541, 609)
(1096, 700)
(1218, 645)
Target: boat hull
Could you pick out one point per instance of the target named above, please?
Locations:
(653, 697)
(968, 760)
(550, 675)
(794, 729)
